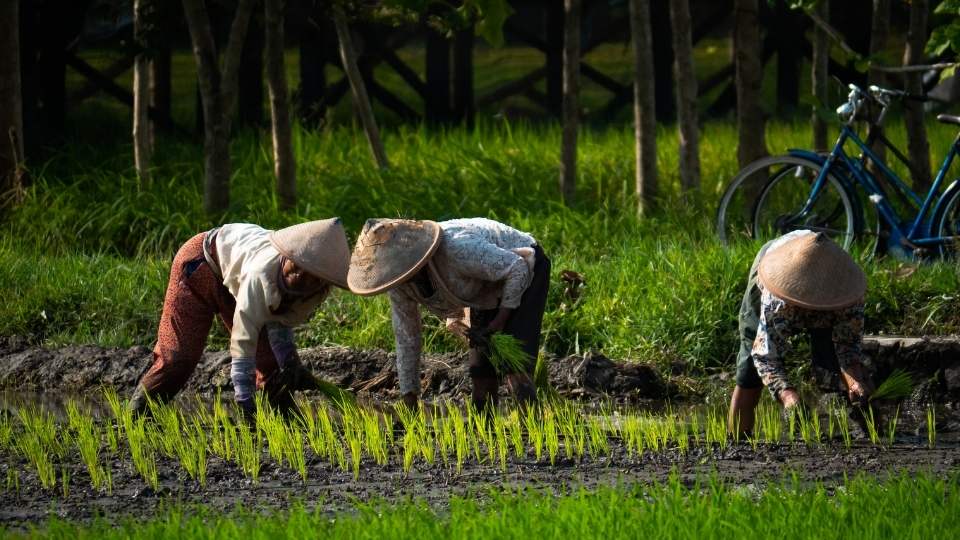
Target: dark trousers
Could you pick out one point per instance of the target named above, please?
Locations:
(525, 324)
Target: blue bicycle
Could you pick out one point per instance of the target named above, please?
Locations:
(812, 190)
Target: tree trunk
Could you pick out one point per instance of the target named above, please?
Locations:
(463, 105)
(142, 149)
(749, 76)
(160, 75)
(879, 33)
(917, 143)
(788, 23)
(819, 76)
(437, 106)
(644, 106)
(218, 89)
(313, 81)
(250, 79)
(358, 89)
(284, 164)
(11, 115)
(571, 99)
(686, 84)
(662, 43)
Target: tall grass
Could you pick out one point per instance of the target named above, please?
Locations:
(659, 289)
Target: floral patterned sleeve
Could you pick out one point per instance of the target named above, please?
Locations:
(772, 343)
(848, 337)
(407, 326)
(474, 256)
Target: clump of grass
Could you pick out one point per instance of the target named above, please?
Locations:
(898, 385)
(507, 354)
(931, 426)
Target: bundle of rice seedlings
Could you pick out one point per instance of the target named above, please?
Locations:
(507, 354)
(898, 385)
(334, 393)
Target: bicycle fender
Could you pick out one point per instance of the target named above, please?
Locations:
(807, 154)
(938, 209)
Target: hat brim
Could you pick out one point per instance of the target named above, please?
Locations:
(362, 287)
(339, 281)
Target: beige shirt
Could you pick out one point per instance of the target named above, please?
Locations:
(479, 264)
(250, 267)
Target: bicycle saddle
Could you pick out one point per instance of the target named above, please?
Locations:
(948, 119)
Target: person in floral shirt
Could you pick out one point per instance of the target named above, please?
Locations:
(480, 275)
(799, 283)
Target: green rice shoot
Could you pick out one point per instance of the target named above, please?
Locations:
(898, 385)
(507, 354)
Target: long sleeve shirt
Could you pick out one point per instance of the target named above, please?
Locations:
(251, 270)
(479, 264)
(780, 320)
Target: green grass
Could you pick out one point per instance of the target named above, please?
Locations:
(86, 257)
(899, 507)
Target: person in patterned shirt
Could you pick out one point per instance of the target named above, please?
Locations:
(480, 275)
(800, 282)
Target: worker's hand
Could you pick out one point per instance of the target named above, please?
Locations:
(858, 385)
(479, 337)
(286, 380)
(500, 321)
(789, 398)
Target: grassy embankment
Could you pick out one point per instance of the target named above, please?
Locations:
(901, 507)
(85, 258)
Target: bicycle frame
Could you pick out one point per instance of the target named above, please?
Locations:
(918, 232)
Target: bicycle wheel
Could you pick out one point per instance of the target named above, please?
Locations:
(777, 209)
(948, 224)
(735, 214)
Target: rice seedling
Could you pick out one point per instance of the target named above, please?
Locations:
(507, 354)
(769, 422)
(32, 447)
(931, 426)
(461, 442)
(65, 482)
(599, 445)
(632, 432)
(515, 426)
(352, 425)
(898, 385)
(248, 451)
(13, 480)
(535, 433)
(716, 427)
(892, 427)
(871, 423)
(843, 424)
(425, 442)
(551, 439)
(87, 436)
(500, 437)
(6, 430)
(374, 436)
(141, 450)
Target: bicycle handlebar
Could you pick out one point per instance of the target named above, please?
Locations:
(857, 99)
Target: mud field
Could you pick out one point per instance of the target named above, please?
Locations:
(79, 370)
(331, 489)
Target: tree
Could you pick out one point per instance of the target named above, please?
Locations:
(686, 86)
(358, 89)
(748, 69)
(571, 98)
(819, 76)
(142, 143)
(218, 91)
(11, 105)
(919, 147)
(284, 164)
(879, 32)
(644, 106)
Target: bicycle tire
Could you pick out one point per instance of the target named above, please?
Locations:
(834, 210)
(948, 223)
(735, 213)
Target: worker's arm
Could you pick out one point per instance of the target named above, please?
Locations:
(248, 320)
(407, 329)
(771, 345)
(848, 343)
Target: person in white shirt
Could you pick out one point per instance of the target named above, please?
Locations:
(262, 284)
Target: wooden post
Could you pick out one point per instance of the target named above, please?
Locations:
(360, 98)
(819, 76)
(686, 85)
(644, 106)
(917, 143)
(11, 115)
(571, 99)
(749, 76)
(142, 149)
(284, 163)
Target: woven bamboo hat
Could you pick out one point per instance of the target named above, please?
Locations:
(813, 272)
(319, 247)
(390, 251)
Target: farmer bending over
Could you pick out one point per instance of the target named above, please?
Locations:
(262, 283)
(495, 274)
(800, 281)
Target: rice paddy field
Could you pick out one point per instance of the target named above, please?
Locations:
(84, 262)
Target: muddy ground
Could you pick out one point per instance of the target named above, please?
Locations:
(331, 489)
(934, 363)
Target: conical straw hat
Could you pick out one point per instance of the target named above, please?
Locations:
(319, 247)
(813, 272)
(390, 251)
